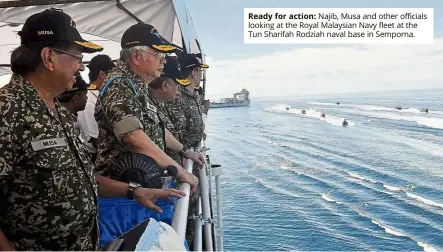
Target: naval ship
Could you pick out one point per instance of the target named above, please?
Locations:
(240, 99)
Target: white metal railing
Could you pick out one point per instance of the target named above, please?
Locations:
(180, 217)
(204, 226)
(198, 238)
(206, 207)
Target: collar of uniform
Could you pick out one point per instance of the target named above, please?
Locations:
(33, 99)
(153, 98)
(28, 92)
(185, 91)
(123, 70)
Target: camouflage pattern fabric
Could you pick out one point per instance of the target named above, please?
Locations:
(166, 119)
(118, 103)
(186, 110)
(48, 192)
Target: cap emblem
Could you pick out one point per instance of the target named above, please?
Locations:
(155, 32)
(72, 23)
(45, 33)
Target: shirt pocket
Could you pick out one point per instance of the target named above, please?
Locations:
(54, 169)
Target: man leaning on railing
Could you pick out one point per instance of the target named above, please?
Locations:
(130, 129)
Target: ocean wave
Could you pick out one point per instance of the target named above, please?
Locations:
(424, 200)
(328, 198)
(355, 175)
(392, 188)
(277, 189)
(388, 229)
(426, 247)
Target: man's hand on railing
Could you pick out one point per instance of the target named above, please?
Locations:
(197, 157)
(186, 177)
(148, 196)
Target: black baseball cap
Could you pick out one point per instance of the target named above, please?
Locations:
(190, 61)
(145, 35)
(79, 85)
(54, 25)
(172, 70)
(101, 62)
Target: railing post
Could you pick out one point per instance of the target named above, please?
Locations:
(206, 208)
(219, 212)
(217, 172)
(198, 228)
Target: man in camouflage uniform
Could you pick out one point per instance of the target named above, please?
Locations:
(165, 89)
(187, 106)
(48, 193)
(127, 118)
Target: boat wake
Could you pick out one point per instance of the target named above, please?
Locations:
(388, 229)
(424, 200)
(379, 108)
(404, 114)
(392, 231)
(426, 247)
(328, 198)
(310, 113)
(359, 177)
(432, 122)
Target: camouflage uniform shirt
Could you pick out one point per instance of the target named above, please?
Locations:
(48, 192)
(165, 117)
(119, 103)
(185, 109)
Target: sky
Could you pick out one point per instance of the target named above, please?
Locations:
(285, 70)
(298, 69)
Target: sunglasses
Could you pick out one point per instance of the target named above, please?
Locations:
(78, 56)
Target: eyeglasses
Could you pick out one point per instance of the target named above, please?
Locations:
(200, 69)
(159, 56)
(78, 56)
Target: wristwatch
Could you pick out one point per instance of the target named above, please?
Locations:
(131, 190)
(182, 152)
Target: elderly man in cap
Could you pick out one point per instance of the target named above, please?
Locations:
(48, 193)
(128, 120)
(99, 67)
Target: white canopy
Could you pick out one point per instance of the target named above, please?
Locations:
(104, 22)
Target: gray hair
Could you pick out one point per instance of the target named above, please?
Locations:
(125, 53)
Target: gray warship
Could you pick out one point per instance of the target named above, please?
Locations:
(240, 99)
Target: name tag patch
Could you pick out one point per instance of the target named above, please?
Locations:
(48, 143)
(152, 107)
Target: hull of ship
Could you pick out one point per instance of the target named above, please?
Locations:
(227, 105)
